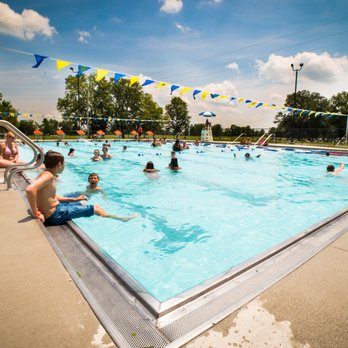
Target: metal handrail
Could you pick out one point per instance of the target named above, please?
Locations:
(265, 141)
(340, 140)
(17, 167)
(235, 140)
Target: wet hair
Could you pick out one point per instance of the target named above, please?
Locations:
(52, 158)
(124, 147)
(247, 155)
(71, 150)
(93, 174)
(149, 165)
(330, 168)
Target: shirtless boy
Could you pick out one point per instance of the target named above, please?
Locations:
(47, 206)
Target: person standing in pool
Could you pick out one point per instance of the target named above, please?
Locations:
(173, 165)
(96, 157)
(93, 180)
(48, 207)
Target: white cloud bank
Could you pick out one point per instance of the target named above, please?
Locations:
(83, 36)
(172, 6)
(317, 67)
(26, 25)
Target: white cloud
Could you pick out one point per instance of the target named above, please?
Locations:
(182, 28)
(210, 2)
(26, 25)
(320, 68)
(233, 66)
(172, 6)
(83, 35)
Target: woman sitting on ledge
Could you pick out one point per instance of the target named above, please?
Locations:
(8, 151)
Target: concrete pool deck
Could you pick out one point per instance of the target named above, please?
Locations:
(41, 306)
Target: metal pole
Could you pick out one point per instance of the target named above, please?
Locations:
(346, 130)
(295, 101)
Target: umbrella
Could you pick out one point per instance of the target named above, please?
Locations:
(60, 132)
(80, 132)
(149, 132)
(117, 132)
(37, 132)
(133, 132)
(100, 132)
(207, 114)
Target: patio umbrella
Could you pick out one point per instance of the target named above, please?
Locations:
(207, 114)
(37, 132)
(133, 132)
(80, 132)
(149, 133)
(60, 132)
(100, 132)
(117, 132)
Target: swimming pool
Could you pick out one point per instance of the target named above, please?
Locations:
(219, 211)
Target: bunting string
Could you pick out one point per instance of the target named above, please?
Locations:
(102, 73)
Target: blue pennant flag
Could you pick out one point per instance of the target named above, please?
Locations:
(82, 69)
(39, 59)
(173, 88)
(118, 76)
(196, 91)
(148, 82)
(214, 95)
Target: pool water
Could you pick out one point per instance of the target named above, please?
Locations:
(217, 212)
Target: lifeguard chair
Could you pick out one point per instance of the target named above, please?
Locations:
(207, 134)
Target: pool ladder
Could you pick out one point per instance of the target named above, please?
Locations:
(16, 167)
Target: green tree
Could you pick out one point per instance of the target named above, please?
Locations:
(49, 126)
(27, 127)
(196, 129)
(149, 110)
(7, 111)
(217, 130)
(305, 125)
(339, 104)
(177, 113)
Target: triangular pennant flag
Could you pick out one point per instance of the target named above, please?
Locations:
(204, 94)
(252, 104)
(118, 76)
(233, 98)
(147, 82)
(39, 59)
(101, 74)
(247, 101)
(173, 88)
(223, 97)
(61, 64)
(240, 100)
(82, 69)
(196, 91)
(133, 80)
(318, 114)
(312, 112)
(184, 90)
(161, 84)
(214, 95)
(302, 112)
(258, 105)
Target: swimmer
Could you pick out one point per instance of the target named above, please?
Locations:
(106, 155)
(71, 152)
(96, 157)
(173, 165)
(331, 169)
(149, 168)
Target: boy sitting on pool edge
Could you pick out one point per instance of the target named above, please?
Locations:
(47, 206)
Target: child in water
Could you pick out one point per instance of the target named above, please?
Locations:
(331, 169)
(173, 165)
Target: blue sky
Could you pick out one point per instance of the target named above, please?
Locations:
(236, 48)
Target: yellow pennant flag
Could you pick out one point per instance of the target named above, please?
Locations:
(62, 64)
(101, 74)
(133, 80)
(223, 97)
(240, 100)
(184, 90)
(161, 84)
(204, 94)
(25, 115)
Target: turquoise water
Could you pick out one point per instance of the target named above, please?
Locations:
(217, 212)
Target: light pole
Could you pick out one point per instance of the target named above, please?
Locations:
(295, 103)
